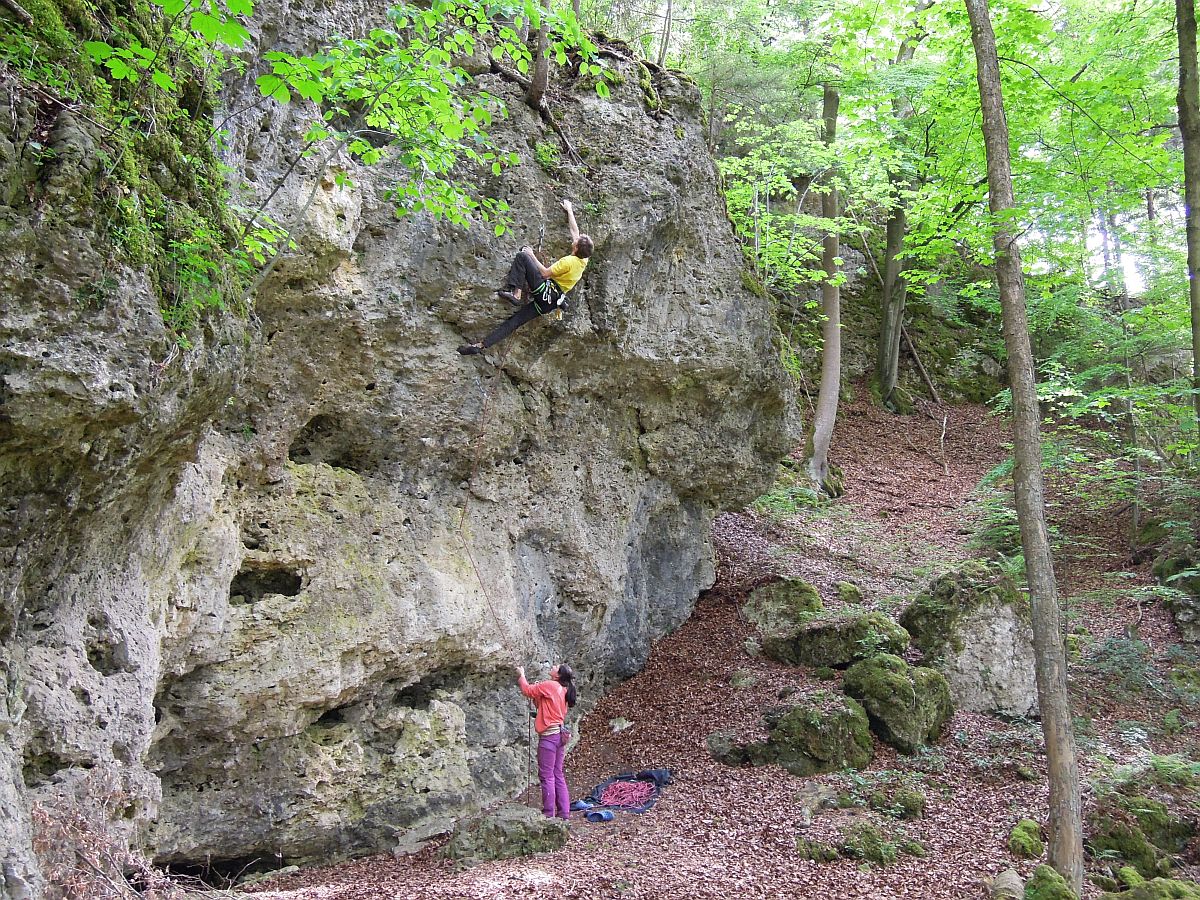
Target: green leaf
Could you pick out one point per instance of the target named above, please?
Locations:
(272, 86)
(240, 7)
(164, 81)
(208, 26)
(495, 168)
(499, 229)
(602, 90)
(98, 50)
(120, 70)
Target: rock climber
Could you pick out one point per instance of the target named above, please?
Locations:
(552, 698)
(542, 286)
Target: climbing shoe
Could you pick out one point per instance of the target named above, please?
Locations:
(510, 297)
(470, 349)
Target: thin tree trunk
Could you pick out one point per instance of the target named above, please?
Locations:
(541, 64)
(662, 51)
(895, 289)
(1189, 126)
(831, 349)
(1065, 823)
(575, 9)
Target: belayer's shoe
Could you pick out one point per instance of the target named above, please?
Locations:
(470, 349)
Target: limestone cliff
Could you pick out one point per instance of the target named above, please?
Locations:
(263, 596)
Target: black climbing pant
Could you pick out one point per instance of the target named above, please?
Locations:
(526, 313)
(524, 274)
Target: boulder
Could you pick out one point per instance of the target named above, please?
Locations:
(1185, 605)
(782, 605)
(512, 830)
(1139, 831)
(1158, 889)
(1025, 840)
(1007, 886)
(907, 706)
(1046, 884)
(973, 625)
(837, 641)
(826, 733)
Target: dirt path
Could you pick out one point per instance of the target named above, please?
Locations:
(720, 832)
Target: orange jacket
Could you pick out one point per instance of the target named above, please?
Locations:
(550, 697)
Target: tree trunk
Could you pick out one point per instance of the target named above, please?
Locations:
(662, 51)
(575, 9)
(1189, 126)
(541, 64)
(895, 289)
(831, 350)
(1065, 824)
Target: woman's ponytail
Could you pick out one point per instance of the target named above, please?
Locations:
(567, 679)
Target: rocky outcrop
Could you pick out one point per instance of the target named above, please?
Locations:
(263, 595)
(974, 627)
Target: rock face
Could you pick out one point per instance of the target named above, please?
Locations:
(264, 595)
(973, 626)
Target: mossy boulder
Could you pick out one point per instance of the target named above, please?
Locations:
(825, 734)
(1159, 889)
(510, 831)
(902, 803)
(907, 706)
(817, 851)
(783, 605)
(1046, 884)
(1025, 840)
(849, 592)
(867, 842)
(1185, 606)
(973, 625)
(1139, 831)
(837, 642)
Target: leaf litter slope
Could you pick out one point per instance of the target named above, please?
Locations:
(722, 832)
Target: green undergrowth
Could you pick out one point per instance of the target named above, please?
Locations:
(158, 195)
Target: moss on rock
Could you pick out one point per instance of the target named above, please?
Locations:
(817, 851)
(1025, 840)
(837, 642)
(1046, 884)
(1159, 889)
(907, 706)
(783, 605)
(848, 592)
(867, 842)
(512, 830)
(902, 803)
(1139, 831)
(932, 618)
(826, 734)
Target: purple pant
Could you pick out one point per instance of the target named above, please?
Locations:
(552, 749)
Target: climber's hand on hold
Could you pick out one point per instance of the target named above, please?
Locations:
(520, 671)
(566, 204)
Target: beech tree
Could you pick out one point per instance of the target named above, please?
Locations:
(1189, 125)
(1065, 824)
(821, 435)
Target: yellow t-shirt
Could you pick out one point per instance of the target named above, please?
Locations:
(567, 271)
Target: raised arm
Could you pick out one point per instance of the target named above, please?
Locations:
(566, 204)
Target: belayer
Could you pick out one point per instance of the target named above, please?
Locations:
(544, 287)
(552, 698)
